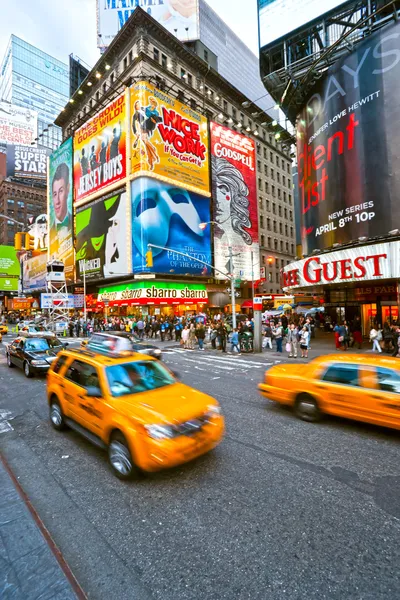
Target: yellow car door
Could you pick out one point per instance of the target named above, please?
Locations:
(387, 396)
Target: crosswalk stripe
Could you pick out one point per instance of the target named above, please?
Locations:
(224, 359)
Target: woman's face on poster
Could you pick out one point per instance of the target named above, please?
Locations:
(224, 198)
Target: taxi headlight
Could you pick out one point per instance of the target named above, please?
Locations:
(160, 432)
(39, 363)
(213, 410)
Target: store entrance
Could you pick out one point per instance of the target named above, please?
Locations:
(368, 317)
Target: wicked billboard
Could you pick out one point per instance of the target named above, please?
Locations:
(234, 202)
(101, 238)
(348, 138)
(169, 139)
(100, 150)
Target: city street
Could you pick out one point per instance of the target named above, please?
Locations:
(282, 508)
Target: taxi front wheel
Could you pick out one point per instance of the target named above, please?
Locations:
(56, 415)
(120, 457)
(306, 408)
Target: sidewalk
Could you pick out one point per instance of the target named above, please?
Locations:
(29, 569)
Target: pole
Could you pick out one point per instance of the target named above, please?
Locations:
(252, 278)
(233, 300)
(84, 290)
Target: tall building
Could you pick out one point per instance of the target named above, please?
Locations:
(35, 80)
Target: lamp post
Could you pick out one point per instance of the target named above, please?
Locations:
(231, 275)
(13, 220)
(84, 290)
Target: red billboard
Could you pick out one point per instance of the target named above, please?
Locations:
(233, 161)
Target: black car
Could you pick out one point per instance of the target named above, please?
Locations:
(137, 344)
(33, 354)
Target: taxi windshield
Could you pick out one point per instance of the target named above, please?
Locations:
(36, 345)
(136, 377)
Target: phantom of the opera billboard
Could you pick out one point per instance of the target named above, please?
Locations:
(100, 150)
(169, 216)
(60, 194)
(169, 139)
(348, 139)
(235, 202)
(102, 238)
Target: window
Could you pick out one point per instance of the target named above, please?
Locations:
(104, 88)
(283, 180)
(125, 63)
(287, 246)
(342, 373)
(290, 199)
(268, 224)
(286, 230)
(285, 213)
(276, 244)
(225, 105)
(258, 149)
(280, 228)
(276, 277)
(265, 153)
(61, 360)
(274, 226)
(267, 205)
(190, 79)
(279, 193)
(281, 246)
(259, 183)
(112, 77)
(82, 374)
(206, 55)
(183, 74)
(265, 170)
(280, 211)
(130, 56)
(284, 196)
(258, 165)
(261, 222)
(133, 378)
(10, 202)
(291, 232)
(274, 208)
(277, 160)
(273, 191)
(262, 240)
(270, 277)
(388, 380)
(290, 215)
(164, 61)
(234, 113)
(283, 164)
(278, 177)
(271, 157)
(272, 174)
(292, 249)
(267, 187)
(156, 54)
(288, 168)
(269, 242)
(97, 96)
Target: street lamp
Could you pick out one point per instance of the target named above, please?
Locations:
(231, 276)
(13, 220)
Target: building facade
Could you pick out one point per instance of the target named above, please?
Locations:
(35, 80)
(20, 202)
(145, 51)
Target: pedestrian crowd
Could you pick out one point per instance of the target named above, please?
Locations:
(292, 333)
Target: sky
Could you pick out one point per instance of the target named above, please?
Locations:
(62, 28)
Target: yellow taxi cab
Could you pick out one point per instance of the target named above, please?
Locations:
(133, 406)
(361, 387)
(3, 329)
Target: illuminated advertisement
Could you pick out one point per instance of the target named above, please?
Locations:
(169, 139)
(100, 150)
(170, 217)
(60, 192)
(9, 269)
(101, 238)
(180, 17)
(234, 202)
(27, 162)
(278, 18)
(18, 125)
(348, 138)
(34, 271)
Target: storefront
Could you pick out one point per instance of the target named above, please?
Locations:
(158, 298)
(359, 281)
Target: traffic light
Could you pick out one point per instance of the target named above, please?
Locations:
(29, 243)
(149, 258)
(18, 240)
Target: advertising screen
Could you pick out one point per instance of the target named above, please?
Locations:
(278, 18)
(60, 193)
(9, 269)
(26, 162)
(169, 139)
(348, 138)
(102, 238)
(100, 150)
(34, 273)
(18, 125)
(168, 216)
(181, 18)
(234, 202)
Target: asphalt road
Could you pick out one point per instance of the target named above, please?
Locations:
(281, 509)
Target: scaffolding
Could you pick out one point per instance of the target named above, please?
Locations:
(58, 298)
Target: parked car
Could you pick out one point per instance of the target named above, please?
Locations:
(33, 354)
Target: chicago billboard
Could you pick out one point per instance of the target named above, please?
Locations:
(180, 17)
(169, 139)
(34, 271)
(102, 238)
(18, 125)
(348, 139)
(60, 194)
(234, 202)
(26, 162)
(169, 216)
(100, 150)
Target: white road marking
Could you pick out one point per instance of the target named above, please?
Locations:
(5, 416)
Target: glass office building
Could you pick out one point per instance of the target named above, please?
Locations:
(35, 80)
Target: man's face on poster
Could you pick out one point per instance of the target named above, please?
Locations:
(60, 198)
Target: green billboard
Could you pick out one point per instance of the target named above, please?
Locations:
(9, 269)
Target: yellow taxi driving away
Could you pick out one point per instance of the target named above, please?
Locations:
(133, 406)
(3, 329)
(361, 387)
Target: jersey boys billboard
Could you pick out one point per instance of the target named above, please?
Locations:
(235, 201)
(169, 139)
(169, 216)
(100, 150)
(348, 139)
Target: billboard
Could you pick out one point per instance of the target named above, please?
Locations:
(169, 139)
(102, 238)
(180, 17)
(234, 202)
(169, 216)
(9, 269)
(27, 162)
(34, 271)
(60, 212)
(278, 18)
(348, 140)
(100, 150)
(18, 125)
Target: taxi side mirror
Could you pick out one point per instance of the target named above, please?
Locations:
(93, 392)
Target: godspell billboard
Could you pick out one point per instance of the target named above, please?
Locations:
(234, 202)
(100, 150)
(348, 147)
(169, 139)
(102, 238)
(169, 216)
